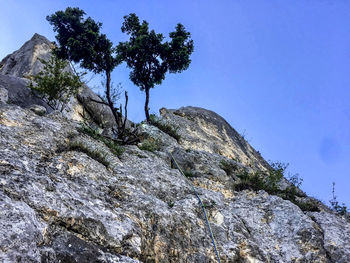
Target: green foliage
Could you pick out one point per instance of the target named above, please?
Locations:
(55, 85)
(81, 41)
(340, 209)
(269, 182)
(112, 145)
(171, 204)
(228, 167)
(164, 127)
(149, 58)
(96, 155)
(150, 145)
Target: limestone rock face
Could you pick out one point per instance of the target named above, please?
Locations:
(67, 197)
(205, 130)
(18, 93)
(18, 66)
(24, 62)
(59, 203)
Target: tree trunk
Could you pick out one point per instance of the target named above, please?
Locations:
(146, 104)
(110, 102)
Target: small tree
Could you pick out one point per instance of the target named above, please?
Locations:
(340, 209)
(54, 84)
(81, 41)
(149, 58)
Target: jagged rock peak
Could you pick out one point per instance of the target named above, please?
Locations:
(24, 61)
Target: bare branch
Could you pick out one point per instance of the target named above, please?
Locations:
(126, 109)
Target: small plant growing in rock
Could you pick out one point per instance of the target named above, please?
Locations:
(209, 204)
(269, 182)
(171, 204)
(340, 209)
(54, 84)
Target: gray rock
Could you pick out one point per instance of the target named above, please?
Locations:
(18, 93)
(3, 95)
(18, 66)
(66, 197)
(99, 113)
(205, 130)
(59, 203)
(37, 109)
(24, 62)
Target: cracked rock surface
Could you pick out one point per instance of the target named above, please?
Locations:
(62, 205)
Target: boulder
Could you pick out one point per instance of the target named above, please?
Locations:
(19, 94)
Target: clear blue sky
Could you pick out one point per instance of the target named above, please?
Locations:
(276, 70)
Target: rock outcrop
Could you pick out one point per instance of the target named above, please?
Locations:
(25, 61)
(67, 196)
(16, 68)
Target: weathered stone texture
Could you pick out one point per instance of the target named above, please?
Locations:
(59, 205)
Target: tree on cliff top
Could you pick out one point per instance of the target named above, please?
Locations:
(149, 58)
(81, 41)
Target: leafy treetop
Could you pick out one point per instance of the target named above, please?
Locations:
(80, 41)
(149, 58)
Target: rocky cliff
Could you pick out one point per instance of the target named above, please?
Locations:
(67, 195)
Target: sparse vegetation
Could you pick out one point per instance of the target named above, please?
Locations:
(54, 84)
(112, 145)
(96, 155)
(151, 145)
(228, 167)
(165, 127)
(340, 209)
(269, 182)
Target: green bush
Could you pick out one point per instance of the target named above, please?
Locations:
(54, 84)
(269, 182)
(112, 145)
(164, 127)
